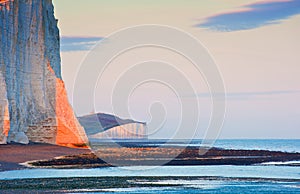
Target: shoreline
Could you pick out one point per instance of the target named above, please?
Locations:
(52, 156)
(193, 178)
(37, 155)
(167, 156)
(12, 155)
(105, 184)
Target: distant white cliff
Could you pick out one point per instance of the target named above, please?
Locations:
(106, 126)
(33, 99)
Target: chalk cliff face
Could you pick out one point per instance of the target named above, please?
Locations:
(32, 90)
(4, 117)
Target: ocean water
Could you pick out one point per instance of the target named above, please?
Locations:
(180, 179)
(286, 145)
(263, 178)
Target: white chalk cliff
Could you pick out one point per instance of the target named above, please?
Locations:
(33, 100)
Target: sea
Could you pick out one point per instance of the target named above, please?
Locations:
(273, 177)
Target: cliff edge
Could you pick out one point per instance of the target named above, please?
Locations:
(33, 100)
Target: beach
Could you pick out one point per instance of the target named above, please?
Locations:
(44, 168)
(36, 155)
(11, 155)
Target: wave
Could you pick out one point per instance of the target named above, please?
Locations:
(288, 163)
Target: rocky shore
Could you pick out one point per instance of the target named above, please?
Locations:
(165, 156)
(52, 156)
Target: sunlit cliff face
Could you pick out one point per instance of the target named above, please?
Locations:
(4, 4)
(6, 122)
(4, 112)
(68, 131)
(33, 98)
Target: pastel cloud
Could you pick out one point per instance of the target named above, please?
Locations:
(248, 95)
(69, 43)
(253, 16)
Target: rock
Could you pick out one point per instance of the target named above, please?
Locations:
(106, 126)
(4, 117)
(3, 139)
(31, 68)
(19, 137)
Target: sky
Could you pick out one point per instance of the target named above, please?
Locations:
(255, 44)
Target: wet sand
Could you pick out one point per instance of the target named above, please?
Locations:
(13, 154)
